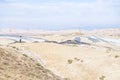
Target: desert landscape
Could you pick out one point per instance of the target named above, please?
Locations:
(59, 39)
(60, 55)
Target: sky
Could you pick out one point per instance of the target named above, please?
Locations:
(59, 14)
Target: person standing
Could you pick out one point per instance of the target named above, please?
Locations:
(20, 39)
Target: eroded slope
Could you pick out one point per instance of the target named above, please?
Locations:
(15, 66)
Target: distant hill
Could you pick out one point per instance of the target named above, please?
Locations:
(108, 32)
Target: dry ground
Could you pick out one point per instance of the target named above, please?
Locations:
(97, 61)
(16, 66)
(78, 62)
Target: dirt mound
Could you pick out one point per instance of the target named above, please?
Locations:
(15, 66)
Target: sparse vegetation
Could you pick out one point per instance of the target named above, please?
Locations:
(76, 59)
(102, 78)
(81, 61)
(96, 57)
(116, 56)
(38, 64)
(66, 78)
(25, 55)
(70, 61)
(13, 63)
(13, 47)
(74, 45)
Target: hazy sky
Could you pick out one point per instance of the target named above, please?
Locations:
(59, 14)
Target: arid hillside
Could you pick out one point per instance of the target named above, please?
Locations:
(16, 66)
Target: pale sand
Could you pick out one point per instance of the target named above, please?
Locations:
(89, 63)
